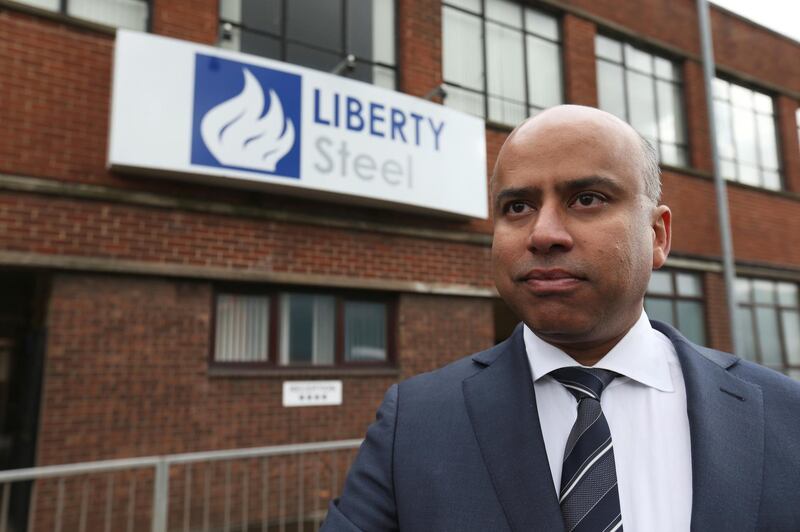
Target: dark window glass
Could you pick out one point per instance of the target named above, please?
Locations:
(768, 323)
(676, 298)
(318, 34)
(315, 23)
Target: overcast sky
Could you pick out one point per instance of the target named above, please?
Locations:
(782, 16)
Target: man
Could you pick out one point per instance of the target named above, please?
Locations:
(650, 433)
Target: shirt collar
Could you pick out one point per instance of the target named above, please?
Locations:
(639, 356)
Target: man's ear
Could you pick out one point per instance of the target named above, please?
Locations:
(662, 235)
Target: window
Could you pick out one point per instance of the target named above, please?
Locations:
(520, 49)
(315, 33)
(676, 298)
(768, 323)
(131, 14)
(301, 329)
(746, 135)
(644, 90)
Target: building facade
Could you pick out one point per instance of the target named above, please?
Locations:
(143, 314)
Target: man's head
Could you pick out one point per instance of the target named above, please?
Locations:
(577, 226)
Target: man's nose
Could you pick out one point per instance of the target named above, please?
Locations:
(549, 232)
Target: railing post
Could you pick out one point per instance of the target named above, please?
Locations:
(161, 496)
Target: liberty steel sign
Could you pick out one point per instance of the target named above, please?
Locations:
(201, 113)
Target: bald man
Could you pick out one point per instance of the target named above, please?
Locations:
(590, 416)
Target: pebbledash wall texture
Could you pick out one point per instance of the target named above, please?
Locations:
(128, 267)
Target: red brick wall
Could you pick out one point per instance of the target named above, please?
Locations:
(580, 72)
(786, 115)
(419, 39)
(50, 225)
(190, 20)
(127, 372)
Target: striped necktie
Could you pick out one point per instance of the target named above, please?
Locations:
(589, 497)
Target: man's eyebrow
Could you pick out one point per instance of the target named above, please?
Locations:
(591, 181)
(515, 193)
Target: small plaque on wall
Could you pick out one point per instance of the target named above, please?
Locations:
(312, 393)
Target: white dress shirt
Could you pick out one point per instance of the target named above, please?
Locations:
(646, 413)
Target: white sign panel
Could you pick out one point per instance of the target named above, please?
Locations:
(199, 112)
(312, 393)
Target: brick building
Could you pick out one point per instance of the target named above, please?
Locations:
(119, 291)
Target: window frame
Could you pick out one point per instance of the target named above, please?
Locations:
(785, 366)
(524, 32)
(675, 297)
(62, 12)
(274, 293)
(680, 83)
(778, 152)
(285, 41)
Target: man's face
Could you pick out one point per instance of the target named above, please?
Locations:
(575, 237)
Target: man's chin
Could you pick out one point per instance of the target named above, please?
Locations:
(568, 328)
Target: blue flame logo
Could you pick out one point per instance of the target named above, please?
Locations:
(246, 117)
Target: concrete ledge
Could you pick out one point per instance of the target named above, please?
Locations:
(215, 273)
(35, 185)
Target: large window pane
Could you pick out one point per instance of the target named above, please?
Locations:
(504, 11)
(307, 329)
(690, 321)
(641, 104)
(542, 25)
(316, 23)
(660, 283)
(242, 328)
(462, 49)
(768, 335)
(608, 48)
(610, 80)
(365, 331)
(464, 100)
(373, 38)
(660, 309)
(746, 135)
(790, 322)
(261, 15)
(724, 130)
(745, 334)
(544, 67)
(504, 62)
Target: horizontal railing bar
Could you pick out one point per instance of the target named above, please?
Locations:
(102, 466)
(80, 468)
(257, 452)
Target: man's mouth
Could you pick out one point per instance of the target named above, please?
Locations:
(543, 281)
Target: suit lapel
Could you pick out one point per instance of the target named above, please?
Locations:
(726, 423)
(502, 408)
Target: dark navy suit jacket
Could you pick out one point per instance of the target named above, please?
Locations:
(460, 449)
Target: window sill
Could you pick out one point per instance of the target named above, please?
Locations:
(302, 373)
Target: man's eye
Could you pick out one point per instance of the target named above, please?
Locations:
(517, 207)
(588, 199)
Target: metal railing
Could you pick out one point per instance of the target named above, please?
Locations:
(319, 470)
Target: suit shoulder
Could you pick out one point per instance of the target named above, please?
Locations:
(770, 381)
(450, 377)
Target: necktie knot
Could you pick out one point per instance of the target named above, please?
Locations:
(584, 382)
